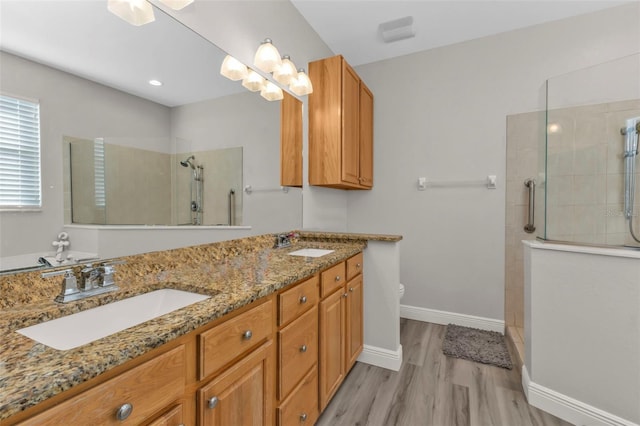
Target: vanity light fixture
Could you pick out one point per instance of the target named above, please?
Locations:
(271, 92)
(285, 72)
(301, 84)
(267, 57)
(253, 81)
(135, 12)
(233, 69)
(177, 4)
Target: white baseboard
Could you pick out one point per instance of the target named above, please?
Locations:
(567, 408)
(443, 317)
(380, 357)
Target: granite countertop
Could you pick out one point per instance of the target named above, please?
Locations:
(234, 273)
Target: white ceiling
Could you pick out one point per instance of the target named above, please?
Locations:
(350, 27)
(82, 37)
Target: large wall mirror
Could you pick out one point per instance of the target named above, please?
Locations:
(116, 150)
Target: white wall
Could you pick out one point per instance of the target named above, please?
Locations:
(582, 333)
(445, 120)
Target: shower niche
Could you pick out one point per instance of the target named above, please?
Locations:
(108, 183)
(591, 151)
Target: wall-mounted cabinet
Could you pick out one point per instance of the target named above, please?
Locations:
(290, 141)
(340, 126)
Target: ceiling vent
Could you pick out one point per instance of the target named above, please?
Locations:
(398, 29)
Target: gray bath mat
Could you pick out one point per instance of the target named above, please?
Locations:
(487, 347)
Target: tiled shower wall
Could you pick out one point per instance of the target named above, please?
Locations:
(585, 178)
(525, 137)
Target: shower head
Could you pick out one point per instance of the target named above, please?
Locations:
(188, 163)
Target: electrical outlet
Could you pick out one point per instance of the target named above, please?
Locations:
(422, 183)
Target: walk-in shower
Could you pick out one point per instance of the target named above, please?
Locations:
(196, 188)
(590, 177)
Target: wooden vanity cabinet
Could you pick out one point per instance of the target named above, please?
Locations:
(340, 126)
(278, 361)
(239, 356)
(297, 390)
(130, 398)
(341, 328)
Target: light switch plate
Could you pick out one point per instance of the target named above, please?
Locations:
(422, 183)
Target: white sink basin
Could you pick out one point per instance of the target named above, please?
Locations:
(310, 252)
(87, 326)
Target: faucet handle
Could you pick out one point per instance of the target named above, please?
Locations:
(108, 269)
(69, 284)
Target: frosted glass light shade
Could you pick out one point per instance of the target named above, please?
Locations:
(271, 92)
(233, 69)
(267, 57)
(285, 72)
(301, 85)
(177, 4)
(135, 12)
(253, 81)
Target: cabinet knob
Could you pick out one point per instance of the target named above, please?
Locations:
(212, 402)
(303, 299)
(351, 289)
(345, 295)
(247, 335)
(303, 417)
(337, 277)
(303, 348)
(124, 411)
(358, 265)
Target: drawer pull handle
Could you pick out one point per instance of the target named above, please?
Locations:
(124, 411)
(247, 335)
(351, 289)
(303, 348)
(303, 417)
(358, 265)
(303, 299)
(337, 277)
(212, 402)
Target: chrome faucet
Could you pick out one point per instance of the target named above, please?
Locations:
(93, 281)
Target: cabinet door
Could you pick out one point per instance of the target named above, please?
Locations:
(350, 125)
(242, 395)
(354, 335)
(290, 141)
(366, 136)
(332, 350)
(172, 417)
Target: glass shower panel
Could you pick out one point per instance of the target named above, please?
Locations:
(585, 153)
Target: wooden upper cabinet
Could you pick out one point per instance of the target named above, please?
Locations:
(340, 126)
(290, 141)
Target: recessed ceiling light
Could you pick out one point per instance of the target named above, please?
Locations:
(155, 82)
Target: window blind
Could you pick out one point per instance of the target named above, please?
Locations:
(19, 154)
(98, 174)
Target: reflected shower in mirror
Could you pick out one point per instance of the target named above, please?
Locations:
(113, 184)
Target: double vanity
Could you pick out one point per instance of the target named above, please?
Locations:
(268, 341)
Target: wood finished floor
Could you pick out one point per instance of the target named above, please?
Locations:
(432, 389)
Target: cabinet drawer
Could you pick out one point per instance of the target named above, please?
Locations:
(332, 278)
(293, 302)
(298, 350)
(354, 266)
(301, 408)
(232, 338)
(148, 387)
